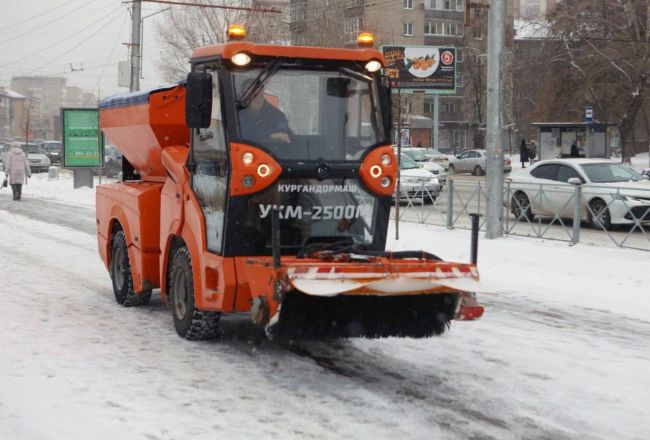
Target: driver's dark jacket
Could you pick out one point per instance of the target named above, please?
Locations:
(258, 126)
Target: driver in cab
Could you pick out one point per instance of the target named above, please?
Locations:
(260, 121)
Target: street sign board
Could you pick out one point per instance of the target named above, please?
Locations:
(82, 139)
(421, 69)
(589, 114)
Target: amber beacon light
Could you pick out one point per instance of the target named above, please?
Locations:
(365, 39)
(236, 32)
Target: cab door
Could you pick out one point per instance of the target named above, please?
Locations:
(209, 168)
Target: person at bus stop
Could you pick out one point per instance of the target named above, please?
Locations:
(574, 149)
(523, 153)
(17, 170)
(532, 151)
(261, 121)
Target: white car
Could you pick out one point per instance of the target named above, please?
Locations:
(417, 154)
(475, 162)
(437, 156)
(38, 160)
(612, 193)
(416, 182)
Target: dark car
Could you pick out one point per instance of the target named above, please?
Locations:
(53, 150)
(112, 161)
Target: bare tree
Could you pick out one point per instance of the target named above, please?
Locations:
(186, 28)
(607, 45)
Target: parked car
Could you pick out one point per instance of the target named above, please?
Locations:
(475, 162)
(417, 154)
(437, 156)
(416, 182)
(646, 172)
(38, 160)
(612, 193)
(112, 161)
(53, 150)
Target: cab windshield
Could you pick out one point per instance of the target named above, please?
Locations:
(301, 114)
(406, 163)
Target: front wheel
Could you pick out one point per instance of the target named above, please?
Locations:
(478, 171)
(189, 322)
(600, 216)
(121, 275)
(520, 207)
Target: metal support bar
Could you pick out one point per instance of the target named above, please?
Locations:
(474, 245)
(275, 236)
(450, 204)
(577, 214)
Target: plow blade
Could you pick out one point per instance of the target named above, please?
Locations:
(373, 299)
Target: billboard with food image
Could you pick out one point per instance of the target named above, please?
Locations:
(421, 69)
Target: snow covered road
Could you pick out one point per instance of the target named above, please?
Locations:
(561, 353)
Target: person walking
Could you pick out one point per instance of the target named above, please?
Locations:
(523, 153)
(17, 170)
(574, 149)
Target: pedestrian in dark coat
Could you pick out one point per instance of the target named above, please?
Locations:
(523, 153)
(17, 170)
(574, 150)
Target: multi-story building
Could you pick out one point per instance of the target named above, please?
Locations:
(535, 9)
(44, 97)
(11, 110)
(336, 23)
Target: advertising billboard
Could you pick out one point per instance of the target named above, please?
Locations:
(421, 69)
(82, 139)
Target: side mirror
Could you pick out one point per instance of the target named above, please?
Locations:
(385, 100)
(574, 181)
(338, 87)
(198, 100)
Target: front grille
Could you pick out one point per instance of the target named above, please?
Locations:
(641, 213)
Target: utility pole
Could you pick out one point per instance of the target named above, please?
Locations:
(135, 45)
(494, 179)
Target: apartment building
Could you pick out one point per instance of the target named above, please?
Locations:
(336, 23)
(44, 97)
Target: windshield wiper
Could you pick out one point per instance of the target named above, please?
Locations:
(354, 74)
(247, 95)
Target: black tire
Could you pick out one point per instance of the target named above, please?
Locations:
(189, 322)
(600, 218)
(452, 169)
(121, 275)
(520, 207)
(478, 171)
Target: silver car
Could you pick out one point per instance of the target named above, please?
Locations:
(612, 193)
(417, 154)
(475, 162)
(416, 182)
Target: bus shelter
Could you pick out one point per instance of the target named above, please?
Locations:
(555, 139)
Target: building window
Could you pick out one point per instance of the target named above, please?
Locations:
(459, 55)
(428, 107)
(298, 12)
(353, 3)
(408, 4)
(478, 32)
(351, 28)
(448, 107)
(445, 5)
(408, 29)
(444, 28)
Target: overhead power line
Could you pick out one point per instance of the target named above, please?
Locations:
(74, 34)
(30, 31)
(47, 11)
(199, 5)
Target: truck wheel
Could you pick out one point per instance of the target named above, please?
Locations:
(189, 322)
(121, 275)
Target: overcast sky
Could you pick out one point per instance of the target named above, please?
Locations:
(54, 37)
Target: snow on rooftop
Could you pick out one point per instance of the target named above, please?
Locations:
(531, 29)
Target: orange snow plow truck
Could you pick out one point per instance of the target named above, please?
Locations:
(263, 183)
